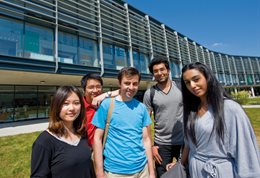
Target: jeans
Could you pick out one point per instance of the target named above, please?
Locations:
(167, 153)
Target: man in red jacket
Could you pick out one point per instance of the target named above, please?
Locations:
(93, 87)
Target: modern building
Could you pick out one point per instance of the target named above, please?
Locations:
(48, 43)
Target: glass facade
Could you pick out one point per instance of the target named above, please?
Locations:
(86, 33)
(25, 102)
(141, 62)
(11, 37)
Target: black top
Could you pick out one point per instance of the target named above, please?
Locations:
(53, 158)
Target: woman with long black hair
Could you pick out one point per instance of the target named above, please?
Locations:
(219, 139)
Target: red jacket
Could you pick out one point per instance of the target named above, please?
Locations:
(90, 128)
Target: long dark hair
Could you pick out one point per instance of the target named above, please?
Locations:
(215, 95)
(55, 122)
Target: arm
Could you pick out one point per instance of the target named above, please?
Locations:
(147, 103)
(147, 145)
(184, 158)
(40, 160)
(97, 100)
(98, 153)
(242, 144)
(185, 155)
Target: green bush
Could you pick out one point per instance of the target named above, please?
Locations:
(242, 97)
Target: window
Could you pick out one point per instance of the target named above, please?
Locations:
(38, 42)
(175, 69)
(88, 52)
(108, 55)
(11, 32)
(45, 94)
(120, 57)
(26, 102)
(6, 103)
(141, 62)
(68, 52)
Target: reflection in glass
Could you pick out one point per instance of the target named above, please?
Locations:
(108, 55)
(38, 42)
(120, 57)
(88, 52)
(175, 69)
(11, 32)
(26, 102)
(141, 62)
(68, 48)
(6, 103)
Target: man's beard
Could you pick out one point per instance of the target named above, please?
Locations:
(163, 81)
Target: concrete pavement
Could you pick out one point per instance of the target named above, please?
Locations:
(251, 106)
(15, 128)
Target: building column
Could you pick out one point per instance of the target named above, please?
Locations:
(150, 37)
(166, 47)
(100, 41)
(129, 36)
(56, 55)
(188, 48)
(252, 91)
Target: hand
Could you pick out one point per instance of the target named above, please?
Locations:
(102, 175)
(152, 176)
(169, 166)
(156, 155)
(98, 99)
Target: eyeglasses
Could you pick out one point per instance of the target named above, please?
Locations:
(92, 87)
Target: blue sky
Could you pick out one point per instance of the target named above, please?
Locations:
(227, 26)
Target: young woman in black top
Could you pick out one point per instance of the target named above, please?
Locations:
(62, 150)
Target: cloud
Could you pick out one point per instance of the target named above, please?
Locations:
(217, 44)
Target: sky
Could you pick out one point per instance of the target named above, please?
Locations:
(225, 26)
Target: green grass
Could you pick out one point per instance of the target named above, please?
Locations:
(15, 151)
(254, 116)
(15, 155)
(254, 101)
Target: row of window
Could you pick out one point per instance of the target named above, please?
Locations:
(28, 40)
(30, 102)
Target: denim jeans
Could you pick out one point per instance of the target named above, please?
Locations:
(167, 153)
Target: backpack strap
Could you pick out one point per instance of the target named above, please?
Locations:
(152, 92)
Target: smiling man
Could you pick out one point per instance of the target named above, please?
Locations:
(92, 84)
(165, 101)
(127, 152)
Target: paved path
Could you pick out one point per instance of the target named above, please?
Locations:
(16, 128)
(251, 106)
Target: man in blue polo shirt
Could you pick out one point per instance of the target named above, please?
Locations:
(127, 151)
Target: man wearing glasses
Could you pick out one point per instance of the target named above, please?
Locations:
(93, 88)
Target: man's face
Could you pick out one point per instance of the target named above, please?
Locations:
(93, 88)
(129, 87)
(160, 73)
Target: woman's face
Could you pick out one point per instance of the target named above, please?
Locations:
(70, 108)
(195, 82)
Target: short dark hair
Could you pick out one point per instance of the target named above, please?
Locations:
(128, 72)
(89, 76)
(55, 122)
(158, 60)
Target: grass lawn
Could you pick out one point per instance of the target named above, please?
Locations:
(15, 155)
(15, 151)
(254, 116)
